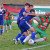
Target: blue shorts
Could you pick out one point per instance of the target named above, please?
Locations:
(1, 22)
(24, 26)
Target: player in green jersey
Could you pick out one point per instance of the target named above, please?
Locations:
(42, 26)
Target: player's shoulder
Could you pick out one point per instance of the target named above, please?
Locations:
(22, 8)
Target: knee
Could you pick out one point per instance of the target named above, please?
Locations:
(26, 34)
(44, 38)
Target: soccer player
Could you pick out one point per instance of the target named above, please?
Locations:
(24, 25)
(10, 19)
(21, 15)
(2, 13)
(7, 20)
(42, 26)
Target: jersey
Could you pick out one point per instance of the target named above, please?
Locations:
(6, 16)
(2, 12)
(43, 24)
(9, 16)
(29, 17)
(21, 14)
(30, 21)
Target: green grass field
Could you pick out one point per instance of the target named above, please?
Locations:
(7, 43)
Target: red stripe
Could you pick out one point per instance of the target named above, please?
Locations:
(41, 22)
(44, 25)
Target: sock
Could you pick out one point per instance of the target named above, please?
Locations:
(39, 40)
(22, 38)
(10, 26)
(28, 31)
(1, 31)
(27, 38)
(19, 34)
(33, 35)
(6, 27)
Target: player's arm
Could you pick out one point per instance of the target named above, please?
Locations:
(36, 19)
(31, 14)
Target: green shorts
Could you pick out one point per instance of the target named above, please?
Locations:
(41, 33)
(32, 24)
(4, 22)
(10, 21)
(7, 22)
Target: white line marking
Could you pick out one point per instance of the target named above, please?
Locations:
(36, 47)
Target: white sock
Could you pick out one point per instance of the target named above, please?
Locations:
(28, 31)
(39, 40)
(27, 38)
(6, 27)
(10, 26)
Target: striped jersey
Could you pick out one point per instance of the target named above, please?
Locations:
(44, 22)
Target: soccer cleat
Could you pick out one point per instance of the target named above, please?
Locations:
(22, 43)
(15, 41)
(7, 31)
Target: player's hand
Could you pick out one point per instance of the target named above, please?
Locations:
(27, 14)
(21, 18)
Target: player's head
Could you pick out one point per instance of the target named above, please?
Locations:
(47, 14)
(2, 6)
(32, 11)
(6, 8)
(27, 5)
(31, 7)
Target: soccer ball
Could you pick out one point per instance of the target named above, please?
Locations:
(31, 42)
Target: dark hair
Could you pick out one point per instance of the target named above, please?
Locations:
(31, 5)
(32, 10)
(27, 4)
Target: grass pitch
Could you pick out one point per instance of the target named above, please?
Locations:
(7, 43)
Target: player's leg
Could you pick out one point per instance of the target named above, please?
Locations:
(7, 25)
(30, 35)
(20, 34)
(42, 35)
(4, 25)
(23, 37)
(32, 30)
(1, 27)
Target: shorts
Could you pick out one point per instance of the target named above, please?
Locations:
(24, 26)
(41, 33)
(7, 22)
(10, 22)
(4, 22)
(32, 24)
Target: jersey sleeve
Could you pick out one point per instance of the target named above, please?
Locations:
(4, 11)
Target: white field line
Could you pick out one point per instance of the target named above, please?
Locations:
(36, 47)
